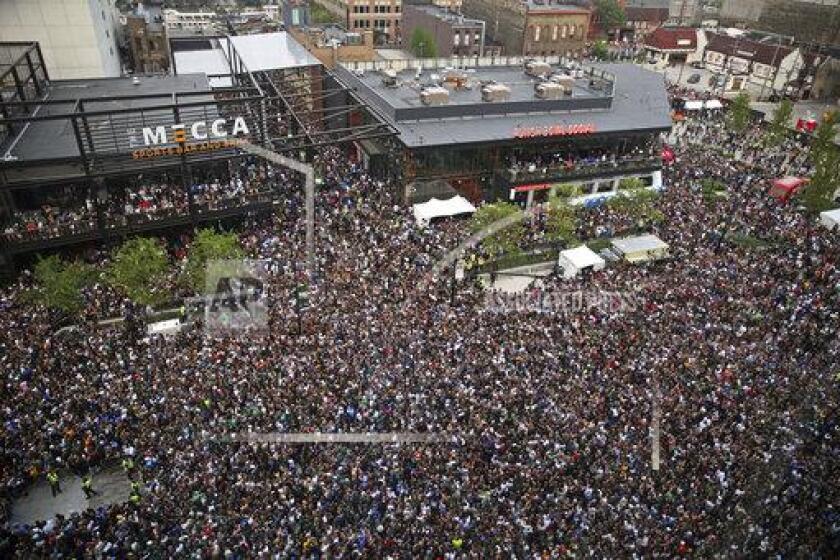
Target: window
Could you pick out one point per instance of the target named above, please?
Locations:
(564, 31)
(478, 38)
(536, 33)
(554, 33)
(466, 38)
(457, 39)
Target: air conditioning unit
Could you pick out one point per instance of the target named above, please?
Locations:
(564, 80)
(495, 92)
(537, 68)
(434, 95)
(389, 78)
(550, 90)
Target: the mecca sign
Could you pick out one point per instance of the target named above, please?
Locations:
(180, 138)
(555, 130)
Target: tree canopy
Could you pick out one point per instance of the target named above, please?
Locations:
(740, 112)
(137, 269)
(779, 126)
(208, 246)
(611, 14)
(825, 156)
(507, 218)
(58, 283)
(423, 43)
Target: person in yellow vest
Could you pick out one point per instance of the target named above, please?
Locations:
(87, 486)
(55, 486)
(128, 465)
(457, 543)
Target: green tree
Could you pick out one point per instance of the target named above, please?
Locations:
(825, 156)
(740, 112)
(58, 284)
(566, 190)
(505, 222)
(320, 14)
(137, 269)
(638, 203)
(600, 50)
(781, 120)
(611, 14)
(631, 184)
(207, 246)
(423, 43)
(561, 222)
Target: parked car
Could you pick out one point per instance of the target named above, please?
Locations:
(693, 79)
(699, 64)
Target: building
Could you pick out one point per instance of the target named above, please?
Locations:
(383, 17)
(478, 128)
(146, 36)
(596, 26)
(642, 21)
(295, 13)
(78, 38)
(684, 12)
(809, 21)
(82, 159)
(742, 11)
(332, 44)
(673, 45)
(199, 23)
(453, 34)
(827, 80)
(773, 67)
(534, 27)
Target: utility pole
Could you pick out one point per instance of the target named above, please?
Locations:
(775, 70)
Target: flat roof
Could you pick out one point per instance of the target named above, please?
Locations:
(272, 51)
(639, 104)
(443, 14)
(55, 139)
(210, 61)
(407, 93)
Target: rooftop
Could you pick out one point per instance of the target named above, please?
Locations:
(443, 14)
(554, 6)
(55, 139)
(637, 101)
(673, 38)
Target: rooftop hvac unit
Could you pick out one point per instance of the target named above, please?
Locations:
(564, 80)
(435, 95)
(537, 68)
(495, 92)
(389, 78)
(551, 90)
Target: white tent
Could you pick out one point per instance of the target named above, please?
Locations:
(436, 208)
(714, 104)
(573, 261)
(641, 248)
(831, 218)
(693, 105)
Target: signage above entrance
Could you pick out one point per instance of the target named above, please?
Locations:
(556, 130)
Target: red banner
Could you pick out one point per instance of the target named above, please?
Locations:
(556, 130)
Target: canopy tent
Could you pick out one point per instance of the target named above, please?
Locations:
(574, 261)
(784, 188)
(713, 104)
(641, 248)
(436, 208)
(693, 105)
(831, 218)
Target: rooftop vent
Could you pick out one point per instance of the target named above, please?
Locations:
(434, 95)
(537, 68)
(389, 78)
(551, 90)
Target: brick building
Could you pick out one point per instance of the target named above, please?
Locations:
(454, 34)
(332, 44)
(147, 41)
(534, 27)
(382, 17)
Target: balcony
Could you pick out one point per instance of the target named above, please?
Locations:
(580, 170)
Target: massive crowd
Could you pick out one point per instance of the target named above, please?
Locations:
(547, 418)
(144, 200)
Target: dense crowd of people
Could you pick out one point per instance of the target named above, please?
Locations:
(235, 184)
(546, 420)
